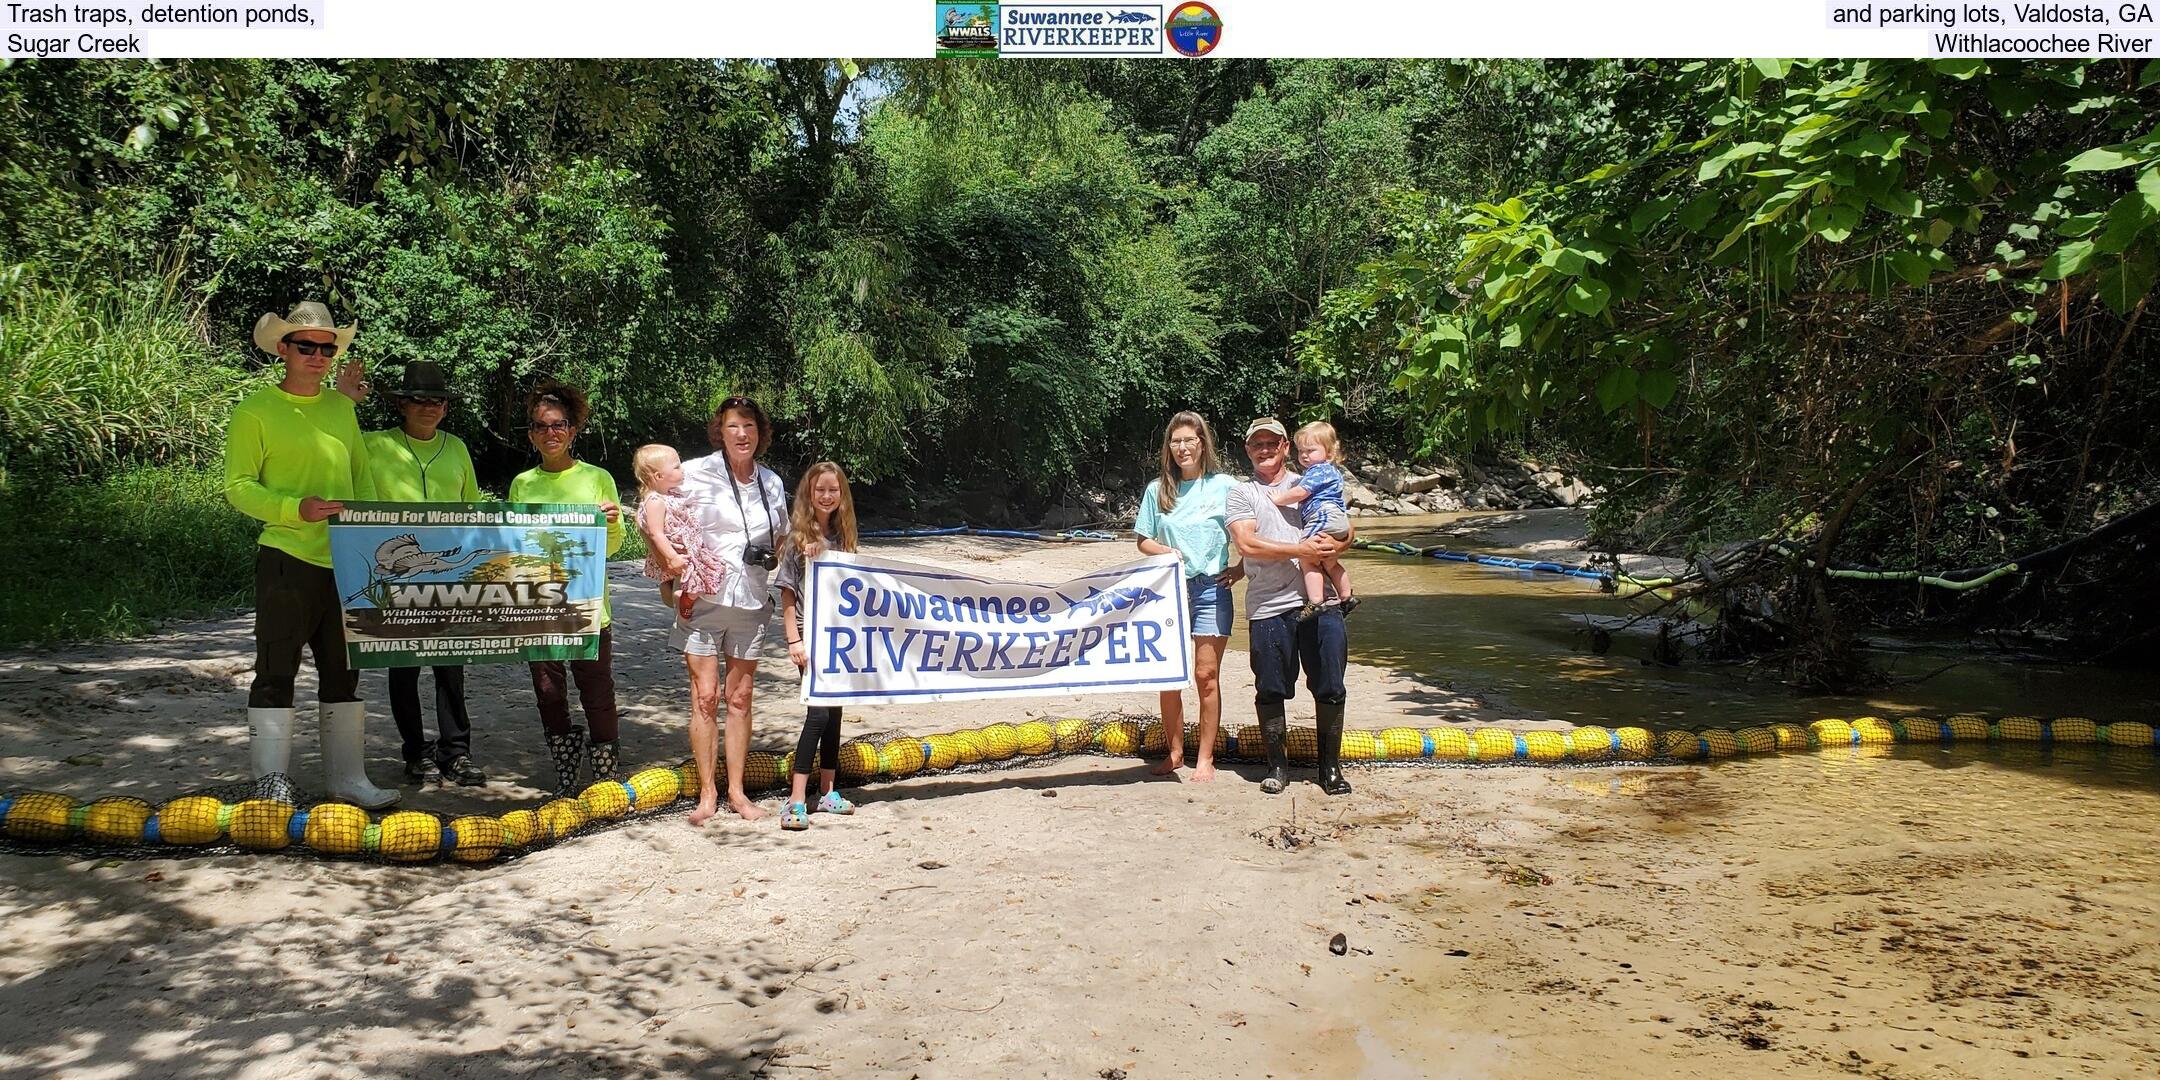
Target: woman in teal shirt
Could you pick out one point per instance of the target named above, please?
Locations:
(419, 462)
(1182, 513)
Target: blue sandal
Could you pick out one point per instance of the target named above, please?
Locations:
(795, 818)
(834, 803)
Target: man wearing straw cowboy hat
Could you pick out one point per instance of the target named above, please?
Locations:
(293, 454)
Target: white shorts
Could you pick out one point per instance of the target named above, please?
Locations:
(714, 630)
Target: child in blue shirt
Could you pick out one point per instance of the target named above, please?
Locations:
(1320, 491)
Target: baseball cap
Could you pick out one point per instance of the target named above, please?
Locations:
(1265, 423)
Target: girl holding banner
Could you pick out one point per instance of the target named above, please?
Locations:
(824, 521)
(742, 507)
(419, 462)
(555, 413)
(1183, 513)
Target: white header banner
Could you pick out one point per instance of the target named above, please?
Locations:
(885, 631)
(868, 29)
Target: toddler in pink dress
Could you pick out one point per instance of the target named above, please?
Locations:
(676, 550)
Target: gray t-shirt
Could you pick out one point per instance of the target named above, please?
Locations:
(1273, 586)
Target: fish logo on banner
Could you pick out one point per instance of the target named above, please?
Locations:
(1079, 29)
(883, 631)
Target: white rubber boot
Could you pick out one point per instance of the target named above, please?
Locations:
(270, 747)
(270, 740)
(344, 751)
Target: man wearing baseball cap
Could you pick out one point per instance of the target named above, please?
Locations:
(1271, 539)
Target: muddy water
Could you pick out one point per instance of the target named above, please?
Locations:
(1520, 643)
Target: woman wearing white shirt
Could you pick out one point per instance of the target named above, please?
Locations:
(742, 506)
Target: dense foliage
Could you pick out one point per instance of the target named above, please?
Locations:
(1892, 306)
(1802, 279)
(983, 279)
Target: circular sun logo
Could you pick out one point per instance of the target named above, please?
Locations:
(1194, 29)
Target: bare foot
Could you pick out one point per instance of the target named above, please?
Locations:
(706, 808)
(744, 808)
(1168, 766)
(1203, 772)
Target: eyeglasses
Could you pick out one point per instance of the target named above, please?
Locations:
(543, 427)
(1185, 442)
(311, 348)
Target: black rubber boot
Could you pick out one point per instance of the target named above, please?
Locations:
(1274, 730)
(567, 750)
(1328, 718)
(603, 761)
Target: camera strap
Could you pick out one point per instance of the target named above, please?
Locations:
(772, 535)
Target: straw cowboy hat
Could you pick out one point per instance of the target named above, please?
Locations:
(305, 315)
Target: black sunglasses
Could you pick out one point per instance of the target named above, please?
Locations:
(310, 348)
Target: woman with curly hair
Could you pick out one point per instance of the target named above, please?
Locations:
(555, 413)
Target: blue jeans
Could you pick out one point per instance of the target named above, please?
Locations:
(1214, 609)
(1281, 644)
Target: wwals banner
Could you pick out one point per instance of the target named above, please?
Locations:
(469, 583)
(881, 630)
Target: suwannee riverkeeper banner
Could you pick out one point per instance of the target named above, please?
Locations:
(884, 631)
(469, 583)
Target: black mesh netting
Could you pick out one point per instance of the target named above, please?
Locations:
(271, 814)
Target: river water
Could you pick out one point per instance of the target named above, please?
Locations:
(1520, 643)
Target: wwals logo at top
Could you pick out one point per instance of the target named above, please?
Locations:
(967, 30)
(1081, 30)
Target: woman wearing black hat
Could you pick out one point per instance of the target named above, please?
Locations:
(418, 462)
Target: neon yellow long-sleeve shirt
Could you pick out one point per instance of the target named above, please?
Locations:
(281, 448)
(583, 482)
(404, 469)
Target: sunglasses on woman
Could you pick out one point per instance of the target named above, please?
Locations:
(542, 427)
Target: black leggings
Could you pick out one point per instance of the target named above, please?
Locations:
(820, 725)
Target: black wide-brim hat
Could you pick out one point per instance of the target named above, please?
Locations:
(425, 379)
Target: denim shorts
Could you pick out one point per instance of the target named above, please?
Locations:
(1214, 609)
(1328, 519)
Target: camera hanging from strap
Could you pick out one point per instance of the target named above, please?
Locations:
(772, 532)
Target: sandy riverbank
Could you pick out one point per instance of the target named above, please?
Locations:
(1791, 916)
